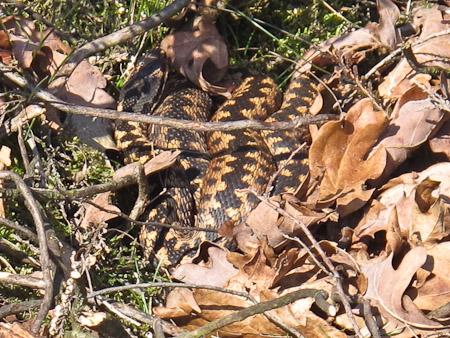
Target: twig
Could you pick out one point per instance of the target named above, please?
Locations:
(144, 317)
(16, 308)
(17, 227)
(23, 152)
(168, 285)
(251, 311)
(398, 51)
(370, 321)
(159, 120)
(23, 280)
(272, 318)
(417, 66)
(40, 18)
(121, 36)
(143, 192)
(46, 264)
(327, 261)
(28, 113)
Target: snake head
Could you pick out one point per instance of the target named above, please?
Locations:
(143, 90)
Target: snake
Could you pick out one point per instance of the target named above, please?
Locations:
(210, 183)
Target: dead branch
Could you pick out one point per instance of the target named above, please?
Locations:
(121, 36)
(159, 120)
(46, 264)
(249, 297)
(16, 308)
(17, 227)
(253, 310)
(23, 280)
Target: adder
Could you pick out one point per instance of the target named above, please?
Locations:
(207, 185)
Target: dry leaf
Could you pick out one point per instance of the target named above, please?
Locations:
(201, 56)
(388, 285)
(411, 125)
(338, 158)
(432, 53)
(93, 216)
(389, 14)
(14, 330)
(217, 273)
(440, 143)
(416, 201)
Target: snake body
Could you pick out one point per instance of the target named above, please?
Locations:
(216, 170)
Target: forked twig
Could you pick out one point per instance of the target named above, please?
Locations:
(46, 264)
(323, 256)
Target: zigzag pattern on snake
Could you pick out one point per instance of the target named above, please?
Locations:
(205, 187)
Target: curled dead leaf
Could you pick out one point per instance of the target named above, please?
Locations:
(417, 202)
(201, 56)
(388, 285)
(412, 124)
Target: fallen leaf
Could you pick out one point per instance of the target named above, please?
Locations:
(201, 56)
(388, 285)
(440, 142)
(416, 201)
(412, 124)
(339, 162)
(217, 273)
(432, 52)
(14, 330)
(93, 216)
(180, 302)
(435, 291)
(389, 14)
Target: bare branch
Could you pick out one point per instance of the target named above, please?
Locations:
(159, 120)
(121, 36)
(46, 264)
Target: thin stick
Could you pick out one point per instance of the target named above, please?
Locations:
(327, 261)
(251, 311)
(121, 36)
(159, 120)
(46, 264)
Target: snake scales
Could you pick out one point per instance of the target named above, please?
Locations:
(206, 185)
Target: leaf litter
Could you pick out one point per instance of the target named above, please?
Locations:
(384, 224)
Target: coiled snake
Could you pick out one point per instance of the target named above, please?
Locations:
(206, 186)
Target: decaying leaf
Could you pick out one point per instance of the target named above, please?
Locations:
(14, 330)
(440, 142)
(389, 14)
(413, 121)
(44, 52)
(435, 291)
(430, 52)
(417, 202)
(94, 216)
(217, 273)
(201, 56)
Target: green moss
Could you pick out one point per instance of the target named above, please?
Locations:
(258, 31)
